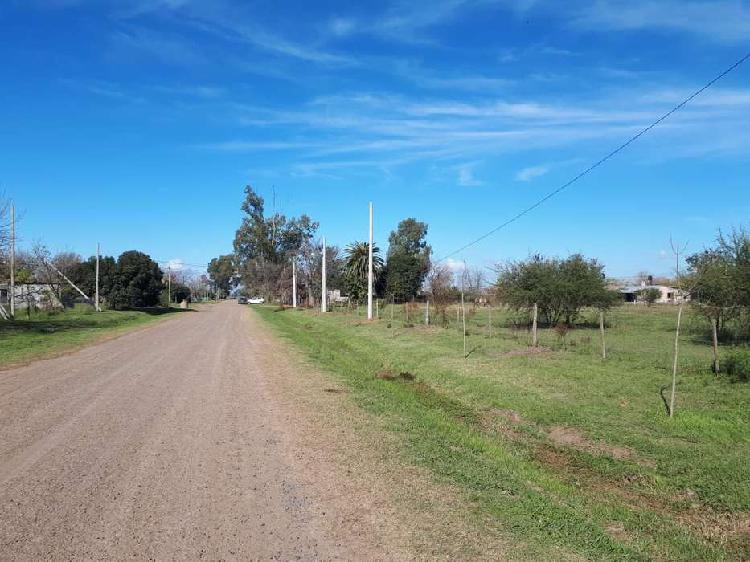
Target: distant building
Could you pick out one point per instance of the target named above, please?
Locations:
(335, 296)
(668, 295)
(36, 295)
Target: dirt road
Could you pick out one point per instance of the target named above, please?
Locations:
(169, 443)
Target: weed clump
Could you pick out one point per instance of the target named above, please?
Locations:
(386, 375)
(738, 365)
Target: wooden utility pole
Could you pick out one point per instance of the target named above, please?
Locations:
(12, 260)
(534, 340)
(715, 338)
(463, 317)
(96, 303)
(324, 289)
(677, 251)
(294, 283)
(674, 364)
(601, 329)
(369, 271)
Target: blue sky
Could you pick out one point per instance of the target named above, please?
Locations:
(137, 123)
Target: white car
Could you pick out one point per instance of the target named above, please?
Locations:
(256, 300)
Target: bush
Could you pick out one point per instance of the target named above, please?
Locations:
(560, 287)
(737, 365)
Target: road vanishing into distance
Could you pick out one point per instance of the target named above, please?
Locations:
(166, 443)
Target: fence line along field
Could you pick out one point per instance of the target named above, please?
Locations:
(562, 446)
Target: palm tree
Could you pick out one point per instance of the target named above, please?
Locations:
(356, 267)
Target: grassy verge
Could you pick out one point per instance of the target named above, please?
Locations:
(564, 449)
(47, 334)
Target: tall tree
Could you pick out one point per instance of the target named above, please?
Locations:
(138, 281)
(264, 246)
(221, 271)
(408, 259)
(356, 268)
(83, 275)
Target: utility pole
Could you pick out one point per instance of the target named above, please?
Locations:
(294, 283)
(12, 260)
(96, 304)
(323, 289)
(369, 272)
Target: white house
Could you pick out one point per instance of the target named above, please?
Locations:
(36, 295)
(668, 295)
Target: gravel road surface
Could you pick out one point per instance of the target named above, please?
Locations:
(168, 443)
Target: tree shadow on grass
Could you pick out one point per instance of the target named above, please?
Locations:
(63, 322)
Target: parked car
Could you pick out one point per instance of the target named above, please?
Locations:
(241, 300)
(256, 300)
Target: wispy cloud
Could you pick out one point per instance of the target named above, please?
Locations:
(142, 43)
(342, 26)
(466, 175)
(369, 130)
(530, 173)
(227, 21)
(721, 20)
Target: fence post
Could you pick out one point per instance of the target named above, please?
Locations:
(534, 340)
(674, 365)
(427, 314)
(601, 329)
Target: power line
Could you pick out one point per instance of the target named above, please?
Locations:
(599, 162)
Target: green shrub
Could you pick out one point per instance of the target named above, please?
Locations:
(737, 365)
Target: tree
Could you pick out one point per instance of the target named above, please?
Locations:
(649, 295)
(264, 247)
(221, 271)
(309, 270)
(356, 268)
(180, 292)
(138, 281)
(408, 259)
(441, 290)
(83, 274)
(560, 288)
(719, 277)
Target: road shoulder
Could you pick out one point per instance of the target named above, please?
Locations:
(354, 467)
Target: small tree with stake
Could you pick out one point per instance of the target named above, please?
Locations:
(719, 278)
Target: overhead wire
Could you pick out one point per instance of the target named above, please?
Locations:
(599, 162)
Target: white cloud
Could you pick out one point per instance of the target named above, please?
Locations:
(456, 266)
(342, 26)
(176, 264)
(528, 174)
(466, 175)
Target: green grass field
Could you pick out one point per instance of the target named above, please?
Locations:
(48, 334)
(569, 452)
